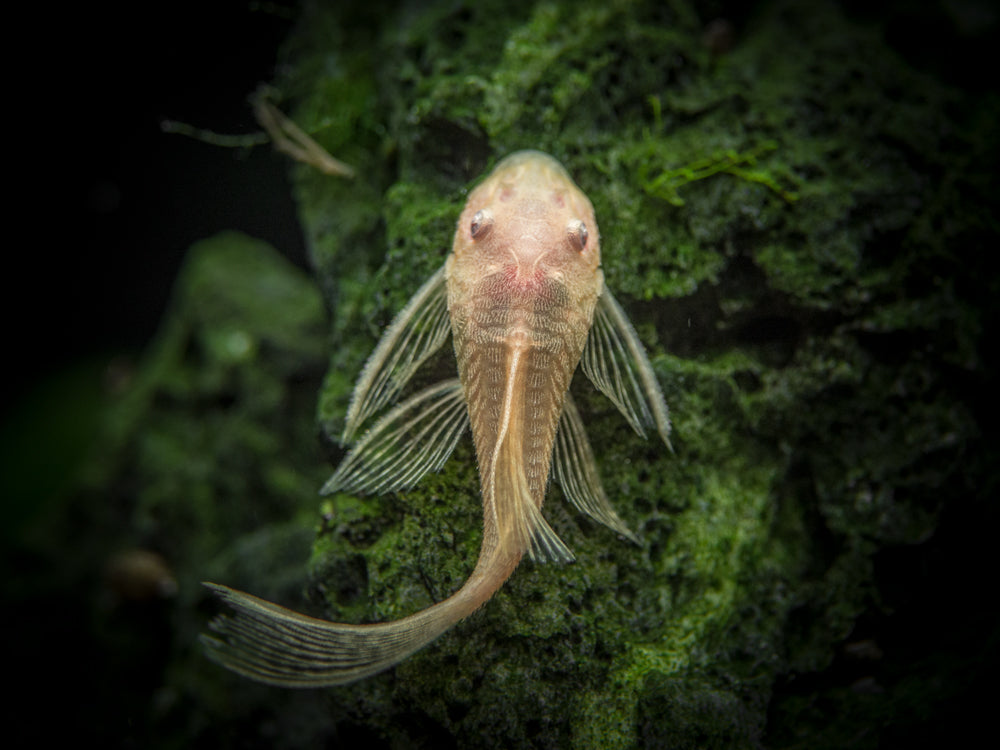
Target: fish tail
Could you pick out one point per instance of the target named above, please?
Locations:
(271, 644)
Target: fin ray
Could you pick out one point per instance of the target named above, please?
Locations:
(616, 362)
(275, 645)
(415, 334)
(574, 469)
(414, 438)
(520, 521)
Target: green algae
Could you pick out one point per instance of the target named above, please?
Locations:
(667, 184)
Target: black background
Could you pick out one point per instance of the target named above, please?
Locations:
(110, 202)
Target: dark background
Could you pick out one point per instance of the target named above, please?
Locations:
(110, 201)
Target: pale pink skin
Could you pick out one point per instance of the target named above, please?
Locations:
(523, 279)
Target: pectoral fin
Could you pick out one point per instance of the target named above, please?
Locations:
(414, 438)
(574, 469)
(417, 332)
(616, 362)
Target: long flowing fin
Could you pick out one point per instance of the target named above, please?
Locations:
(574, 469)
(416, 333)
(616, 362)
(275, 645)
(516, 515)
(542, 542)
(520, 520)
(271, 644)
(414, 438)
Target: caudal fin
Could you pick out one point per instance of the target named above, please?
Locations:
(275, 645)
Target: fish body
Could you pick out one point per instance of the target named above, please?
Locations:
(522, 280)
(523, 298)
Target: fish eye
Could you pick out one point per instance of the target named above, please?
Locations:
(577, 232)
(481, 223)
